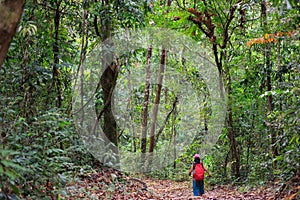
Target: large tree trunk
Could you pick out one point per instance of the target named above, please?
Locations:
(110, 69)
(109, 76)
(10, 15)
(108, 82)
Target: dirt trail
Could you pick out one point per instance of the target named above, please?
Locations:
(166, 189)
(113, 185)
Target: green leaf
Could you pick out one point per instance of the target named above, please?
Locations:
(11, 164)
(5, 153)
(11, 174)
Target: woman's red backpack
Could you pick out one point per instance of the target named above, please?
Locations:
(198, 172)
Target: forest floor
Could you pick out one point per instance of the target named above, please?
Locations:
(112, 184)
(166, 189)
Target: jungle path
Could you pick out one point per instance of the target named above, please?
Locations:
(167, 189)
(113, 185)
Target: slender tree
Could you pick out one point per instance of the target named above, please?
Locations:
(268, 70)
(210, 18)
(55, 69)
(157, 98)
(146, 101)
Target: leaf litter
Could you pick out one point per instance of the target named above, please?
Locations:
(114, 185)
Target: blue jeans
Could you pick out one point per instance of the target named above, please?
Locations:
(198, 187)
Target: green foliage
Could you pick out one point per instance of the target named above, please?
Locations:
(10, 171)
(40, 149)
(44, 149)
(253, 123)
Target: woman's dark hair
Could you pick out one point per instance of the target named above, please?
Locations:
(197, 160)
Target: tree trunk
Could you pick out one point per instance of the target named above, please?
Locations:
(175, 137)
(157, 99)
(130, 105)
(109, 76)
(204, 21)
(146, 102)
(268, 67)
(84, 43)
(108, 82)
(231, 133)
(218, 60)
(55, 72)
(10, 15)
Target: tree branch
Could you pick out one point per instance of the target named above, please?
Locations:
(167, 119)
(226, 36)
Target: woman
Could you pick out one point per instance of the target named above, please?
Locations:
(198, 185)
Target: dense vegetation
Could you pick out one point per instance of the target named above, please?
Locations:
(253, 46)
